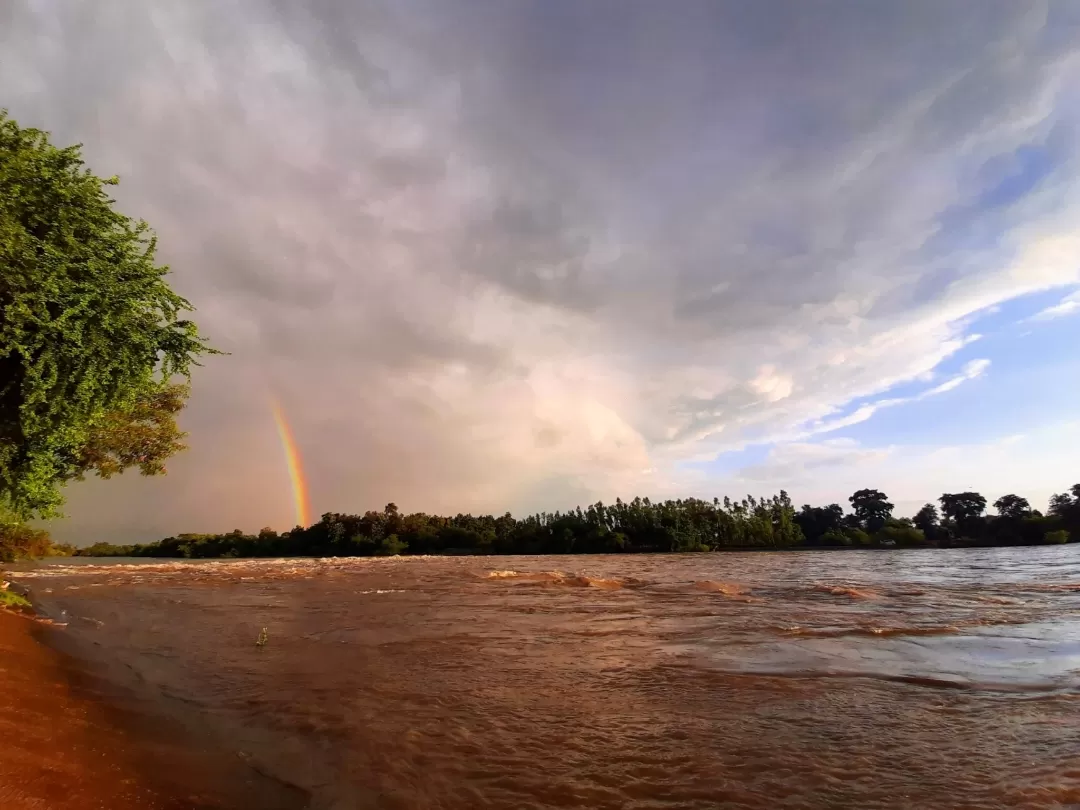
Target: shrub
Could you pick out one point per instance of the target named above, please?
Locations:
(392, 546)
(835, 537)
(10, 599)
(18, 541)
(900, 535)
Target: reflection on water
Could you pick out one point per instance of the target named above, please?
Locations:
(794, 680)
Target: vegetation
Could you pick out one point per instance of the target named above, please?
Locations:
(20, 542)
(91, 336)
(643, 526)
(10, 599)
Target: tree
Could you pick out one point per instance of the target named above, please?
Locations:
(1060, 505)
(1012, 506)
(926, 519)
(91, 336)
(964, 510)
(18, 540)
(143, 435)
(963, 506)
(817, 521)
(871, 507)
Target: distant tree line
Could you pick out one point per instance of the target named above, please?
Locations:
(640, 526)
(958, 520)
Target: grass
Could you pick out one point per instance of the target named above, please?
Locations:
(10, 599)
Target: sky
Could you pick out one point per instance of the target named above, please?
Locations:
(518, 255)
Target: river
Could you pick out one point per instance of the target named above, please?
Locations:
(838, 679)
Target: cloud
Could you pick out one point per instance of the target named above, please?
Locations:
(497, 256)
(771, 385)
(1068, 305)
(971, 370)
(796, 462)
(819, 472)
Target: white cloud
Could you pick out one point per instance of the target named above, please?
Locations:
(971, 370)
(796, 463)
(772, 385)
(1069, 305)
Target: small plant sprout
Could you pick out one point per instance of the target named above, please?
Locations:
(262, 639)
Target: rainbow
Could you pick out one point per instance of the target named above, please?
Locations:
(296, 470)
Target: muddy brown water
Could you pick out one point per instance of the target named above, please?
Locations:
(891, 679)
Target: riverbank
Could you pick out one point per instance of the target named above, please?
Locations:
(70, 741)
(58, 749)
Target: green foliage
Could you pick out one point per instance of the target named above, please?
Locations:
(10, 599)
(111, 550)
(637, 526)
(835, 537)
(821, 524)
(926, 519)
(857, 537)
(871, 507)
(900, 534)
(141, 435)
(1061, 504)
(963, 506)
(392, 546)
(1012, 506)
(18, 541)
(90, 333)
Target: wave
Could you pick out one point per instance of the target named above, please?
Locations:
(847, 590)
(996, 600)
(150, 565)
(531, 576)
(1045, 687)
(726, 588)
(598, 582)
(870, 631)
(1066, 687)
(563, 578)
(734, 591)
(1050, 587)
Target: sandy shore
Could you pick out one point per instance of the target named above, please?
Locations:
(58, 748)
(69, 742)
